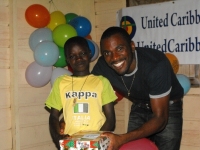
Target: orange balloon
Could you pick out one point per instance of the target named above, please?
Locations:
(37, 16)
(173, 61)
(88, 37)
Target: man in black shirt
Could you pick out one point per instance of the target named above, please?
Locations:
(146, 78)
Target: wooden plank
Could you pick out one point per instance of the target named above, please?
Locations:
(4, 55)
(34, 96)
(4, 38)
(5, 98)
(120, 128)
(13, 16)
(4, 15)
(193, 91)
(34, 135)
(191, 138)
(185, 147)
(6, 140)
(40, 146)
(184, 69)
(4, 3)
(5, 115)
(191, 120)
(109, 20)
(104, 5)
(26, 57)
(4, 31)
(5, 77)
(33, 116)
(191, 107)
(191, 125)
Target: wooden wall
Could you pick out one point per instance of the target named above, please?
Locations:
(5, 102)
(23, 119)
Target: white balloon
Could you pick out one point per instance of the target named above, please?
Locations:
(58, 72)
(38, 76)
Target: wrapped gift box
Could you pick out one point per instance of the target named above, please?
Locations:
(85, 140)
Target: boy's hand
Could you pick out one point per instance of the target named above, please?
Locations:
(62, 127)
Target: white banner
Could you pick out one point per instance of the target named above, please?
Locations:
(171, 27)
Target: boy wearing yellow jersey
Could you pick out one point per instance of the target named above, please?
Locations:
(86, 99)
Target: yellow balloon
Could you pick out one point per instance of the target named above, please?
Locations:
(56, 18)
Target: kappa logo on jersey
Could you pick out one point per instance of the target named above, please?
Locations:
(81, 95)
(129, 24)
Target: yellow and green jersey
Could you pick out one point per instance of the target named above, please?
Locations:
(81, 99)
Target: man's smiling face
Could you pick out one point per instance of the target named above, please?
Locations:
(118, 53)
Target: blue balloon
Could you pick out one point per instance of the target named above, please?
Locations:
(46, 53)
(96, 53)
(38, 36)
(82, 25)
(91, 46)
(185, 82)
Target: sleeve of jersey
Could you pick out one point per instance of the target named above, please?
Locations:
(108, 93)
(159, 80)
(54, 99)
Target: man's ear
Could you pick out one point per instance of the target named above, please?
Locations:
(133, 46)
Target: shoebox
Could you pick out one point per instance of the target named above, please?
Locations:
(85, 140)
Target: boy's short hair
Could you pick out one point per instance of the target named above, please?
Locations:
(76, 40)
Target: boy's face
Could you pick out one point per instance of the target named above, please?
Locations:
(79, 59)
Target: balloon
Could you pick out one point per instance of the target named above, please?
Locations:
(96, 53)
(58, 72)
(40, 35)
(185, 82)
(38, 76)
(46, 53)
(61, 62)
(174, 62)
(70, 16)
(37, 16)
(119, 95)
(82, 25)
(57, 18)
(88, 37)
(62, 33)
(70, 68)
(141, 144)
(91, 46)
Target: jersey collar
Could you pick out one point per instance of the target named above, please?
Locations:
(136, 68)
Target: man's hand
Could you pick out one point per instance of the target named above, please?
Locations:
(115, 140)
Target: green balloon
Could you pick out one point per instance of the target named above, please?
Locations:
(70, 16)
(61, 62)
(62, 33)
